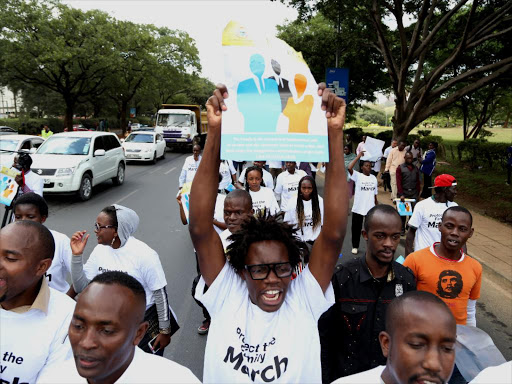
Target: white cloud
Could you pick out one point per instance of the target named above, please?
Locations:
(203, 20)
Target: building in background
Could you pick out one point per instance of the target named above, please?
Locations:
(9, 104)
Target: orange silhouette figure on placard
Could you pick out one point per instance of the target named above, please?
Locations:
(8, 190)
(299, 113)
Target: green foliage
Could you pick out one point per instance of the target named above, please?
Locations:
(424, 132)
(479, 152)
(484, 133)
(372, 115)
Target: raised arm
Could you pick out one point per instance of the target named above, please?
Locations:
(204, 194)
(353, 163)
(328, 244)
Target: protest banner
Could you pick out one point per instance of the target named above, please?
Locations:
(274, 111)
(372, 149)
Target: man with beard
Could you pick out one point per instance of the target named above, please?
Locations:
(444, 269)
(419, 343)
(107, 325)
(363, 289)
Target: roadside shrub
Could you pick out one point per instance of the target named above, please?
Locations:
(479, 152)
(385, 136)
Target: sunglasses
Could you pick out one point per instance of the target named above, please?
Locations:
(261, 271)
(99, 227)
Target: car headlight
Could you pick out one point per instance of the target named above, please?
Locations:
(147, 150)
(65, 171)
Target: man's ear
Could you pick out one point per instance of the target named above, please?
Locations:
(471, 232)
(43, 266)
(385, 343)
(43, 219)
(365, 234)
(141, 331)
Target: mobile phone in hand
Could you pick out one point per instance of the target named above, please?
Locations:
(150, 345)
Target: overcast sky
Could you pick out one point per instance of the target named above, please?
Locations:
(204, 20)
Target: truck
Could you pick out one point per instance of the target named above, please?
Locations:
(182, 125)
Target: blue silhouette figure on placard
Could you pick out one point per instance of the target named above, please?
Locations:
(259, 100)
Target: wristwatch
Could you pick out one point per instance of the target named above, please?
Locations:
(165, 331)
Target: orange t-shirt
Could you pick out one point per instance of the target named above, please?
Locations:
(455, 282)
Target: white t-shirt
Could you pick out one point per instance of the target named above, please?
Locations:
(189, 170)
(31, 342)
(365, 191)
(135, 258)
(264, 199)
(61, 264)
(386, 151)
(267, 178)
(373, 376)
(144, 368)
(501, 374)
(247, 344)
(34, 182)
(377, 165)
(426, 218)
(219, 211)
(307, 232)
(224, 238)
(287, 185)
(226, 169)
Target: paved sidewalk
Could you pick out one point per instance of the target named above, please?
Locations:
(491, 244)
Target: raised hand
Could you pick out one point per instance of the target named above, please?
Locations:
(334, 107)
(78, 242)
(215, 106)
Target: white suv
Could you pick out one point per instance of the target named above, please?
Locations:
(77, 161)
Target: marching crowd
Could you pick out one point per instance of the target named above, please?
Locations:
(278, 305)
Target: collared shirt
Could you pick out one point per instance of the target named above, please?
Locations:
(396, 157)
(349, 330)
(41, 301)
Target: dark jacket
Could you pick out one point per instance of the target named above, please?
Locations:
(349, 330)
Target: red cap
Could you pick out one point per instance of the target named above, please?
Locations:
(444, 180)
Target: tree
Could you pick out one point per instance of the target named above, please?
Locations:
(56, 47)
(422, 84)
(314, 38)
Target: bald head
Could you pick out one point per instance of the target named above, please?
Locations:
(32, 236)
(401, 306)
(241, 196)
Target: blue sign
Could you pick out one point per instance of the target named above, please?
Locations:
(337, 81)
(133, 112)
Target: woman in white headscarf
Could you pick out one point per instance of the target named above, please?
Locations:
(118, 250)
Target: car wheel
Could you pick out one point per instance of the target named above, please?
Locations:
(119, 179)
(85, 190)
(154, 158)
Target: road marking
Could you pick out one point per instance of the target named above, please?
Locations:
(156, 169)
(128, 195)
(170, 170)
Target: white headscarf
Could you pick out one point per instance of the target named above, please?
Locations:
(127, 222)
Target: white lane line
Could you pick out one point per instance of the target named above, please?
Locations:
(156, 169)
(127, 196)
(170, 170)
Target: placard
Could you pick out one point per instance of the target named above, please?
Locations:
(404, 208)
(274, 111)
(8, 185)
(372, 149)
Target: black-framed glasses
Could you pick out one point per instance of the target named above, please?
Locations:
(261, 271)
(98, 227)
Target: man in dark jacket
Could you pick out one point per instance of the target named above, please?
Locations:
(408, 182)
(363, 289)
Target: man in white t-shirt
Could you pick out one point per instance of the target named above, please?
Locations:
(31, 206)
(237, 210)
(34, 318)
(228, 174)
(267, 176)
(365, 197)
(29, 181)
(264, 325)
(426, 217)
(417, 324)
(189, 169)
(287, 184)
(107, 325)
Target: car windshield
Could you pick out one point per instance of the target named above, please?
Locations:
(8, 145)
(177, 120)
(139, 138)
(65, 146)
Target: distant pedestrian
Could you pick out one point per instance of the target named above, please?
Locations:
(385, 175)
(349, 156)
(287, 184)
(263, 198)
(425, 220)
(428, 164)
(45, 131)
(365, 197)
(189, 169)
(408, 182)
(267, 176)
(395, 158)
(417, 154)
(360, 146)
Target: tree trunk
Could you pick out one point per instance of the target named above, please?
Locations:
(505, 125)
(124, 110)
(68, 118)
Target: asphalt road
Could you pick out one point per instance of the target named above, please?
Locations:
(150, 190)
